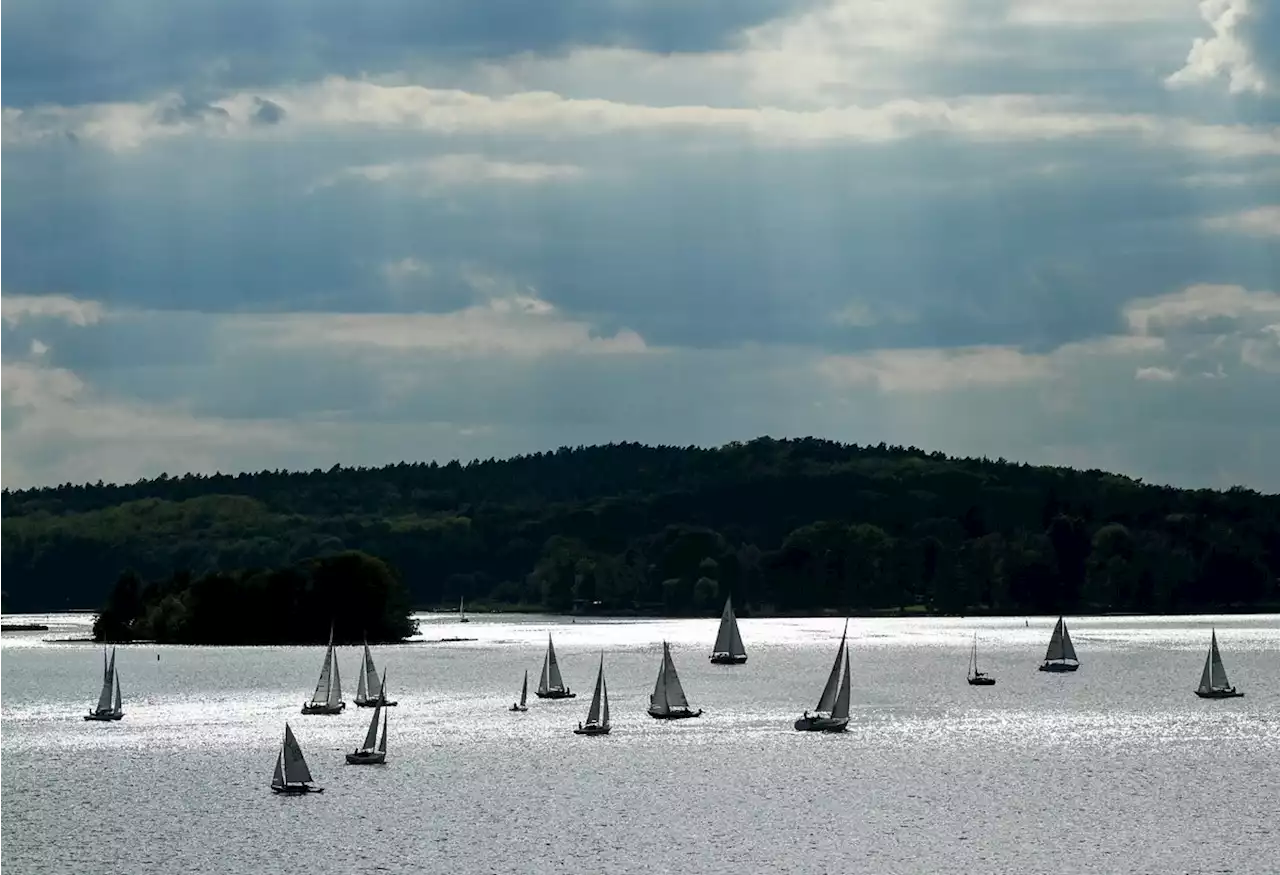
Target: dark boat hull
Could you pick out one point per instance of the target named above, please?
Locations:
(1058, 667)
(323, 709)
(296, 789)
(682, 714)
(727, 659)
(822, 724)
(519, 708)
(593, 729)
(982, 681)
(1219, 694)
(366, 759)
(556, 694)
(104, 717)
(373, 703)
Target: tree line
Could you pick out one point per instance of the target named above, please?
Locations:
(782, 525)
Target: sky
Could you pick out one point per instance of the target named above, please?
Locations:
(298, 233)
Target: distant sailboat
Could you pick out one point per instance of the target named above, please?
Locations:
(551, 685)
(1213, 680)
(368, 755)
(369, 692)
(462, 614)
(728, 649)
(327, 699)
(292, 775)
(598, 714)
(668, 701)
(524, 694)
(109, 706)
(978, 678)
(832, 712)
(1061, 655)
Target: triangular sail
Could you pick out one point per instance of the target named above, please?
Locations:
(728, 639)
(321, 695)
(841, 709)
(1217, 671)
(1055, 650)
(362, 688)
(370, 676)
(382, 743)
(828, 699)
(553, 675)
(1068, 649)
(295, 767)
(546, 662)
(593, 714)
(335, 687)
(277, 779)
(658, 698)
(108, 676)
(1206, 676)
(604, 713)
(524, 688)
(675, 692)
(371, 736)
(115, 706)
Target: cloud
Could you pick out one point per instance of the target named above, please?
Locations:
(1257, 222)
(1201, 307)
(443, 171)
(1156, 374)
(1244, 49)
(21, 308)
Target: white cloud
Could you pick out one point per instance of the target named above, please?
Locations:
(1154, 374)
(935, 370)
(1258, 222)
(407, 270)
(38, 347)
(431, 174)
(20, 308)
(1055, 13)
(1199, 305)
(1226, 54)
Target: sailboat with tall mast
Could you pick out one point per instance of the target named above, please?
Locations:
(368, 755)
(551, 684)
(369, 692)
(598, 714)
(109, 706)
(462, 613)
(978, 678)
(522, 705)
(1061, 655)
(728, 649)
(668, 700)
(292, 776)
(1213, 680)
(832, 711)
(327, 699)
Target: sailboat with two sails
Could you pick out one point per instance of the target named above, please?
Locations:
(462, 613)
(1061, 655)
(368, 755)
(109, 706)
(551, 684)
(522, 705)
(597, 722)
(327, 699)
(978, 678)
(292, 777)
(668, 701)
(369, 691)
(832, 711)
(1213, 680)
(728, 649)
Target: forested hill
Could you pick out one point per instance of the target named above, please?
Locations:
(793, 525)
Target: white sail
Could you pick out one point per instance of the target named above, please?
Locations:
(828, 698)
(728, 639)
(382, 743)
(277, 779)
(371, 736)
(593, 714)
(295, 767)
(335, 686)
(116, 704)
(524, 689)
(372, 689)
(1214, 676)
(362, 688)
(1206, 676)
(973, 657)
(108, 680)
(841, 709)
(321, 695)
(551, 679)
(546, 662)
(668, 694)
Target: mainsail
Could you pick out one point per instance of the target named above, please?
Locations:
(108, 680)
(524, 689)
(840, 711)
(325, 684)
(116, 703)
(1214, 676)
(1060, 646)
(827, 701)
(277, 779)
(295, 767)
(370, 688)
(551, 679)
(594, 713)
(668, 694)
(372, 735)
(728, 639)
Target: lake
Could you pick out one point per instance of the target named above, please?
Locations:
(1116, 768)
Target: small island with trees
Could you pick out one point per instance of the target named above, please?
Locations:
(784, 526)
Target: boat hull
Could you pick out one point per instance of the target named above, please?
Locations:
(296, 789)
(681, 714)
(1059, 667)
(555, 694)
(822, 724)
(308, 708)
(982, 681)
(373, 703)
(592, 729)
(1219, 694)
(727, 659)
(104, 716)
(377, 758)
(519, 708)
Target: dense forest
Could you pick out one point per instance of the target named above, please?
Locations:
(783, 525)
(355, 595)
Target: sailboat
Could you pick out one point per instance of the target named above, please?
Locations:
(368, 755)
(462, 614)
(832, 712)
(1213, 680)
(978, 678)
(369, 692)
(327, 699)
(524, 694)
(108, 707)
(292, 775)
(551, 685)
(1061, 655)
(728, 649)
(668, 701)
(598, 714)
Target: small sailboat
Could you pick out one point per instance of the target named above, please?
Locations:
(978, 678)
(368, 755)
(462, 614)
(598, 714)
(551, 684)
(832, 712)
(668, 701)
(1213, 680)
(1061, 655)
(327, 699)
(524, 694)
(292, 775)
(369, 692)
(109, 707)
(728, 649)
